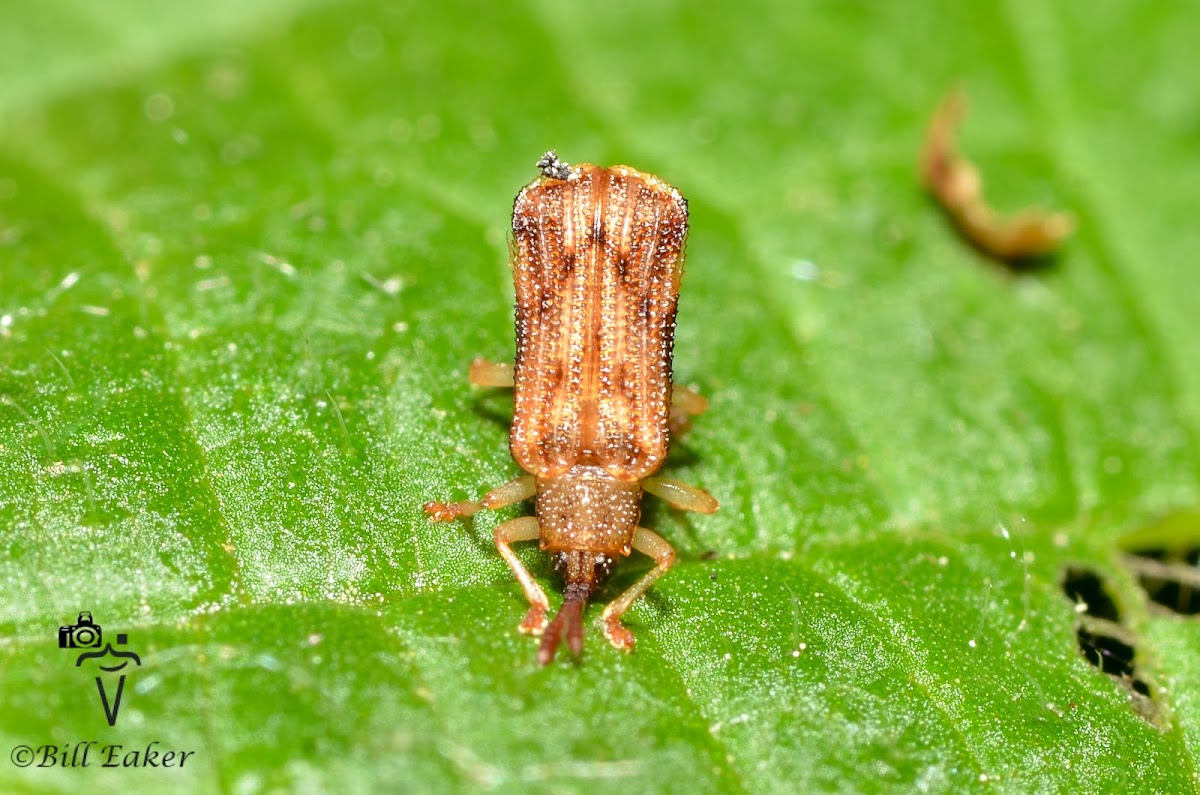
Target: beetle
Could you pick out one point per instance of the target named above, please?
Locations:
(597, 255)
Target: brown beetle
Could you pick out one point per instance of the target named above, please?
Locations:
(597, 255)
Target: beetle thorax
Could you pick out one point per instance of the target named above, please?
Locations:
(588, 510)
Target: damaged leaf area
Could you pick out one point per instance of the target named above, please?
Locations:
(248, 252)
(1104, 640)
(1165, 558)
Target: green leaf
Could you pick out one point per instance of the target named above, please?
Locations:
(246, 255)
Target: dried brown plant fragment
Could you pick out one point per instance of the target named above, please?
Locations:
(1026, 236)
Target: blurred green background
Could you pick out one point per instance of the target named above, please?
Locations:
(247, 250)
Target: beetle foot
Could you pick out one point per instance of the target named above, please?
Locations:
(534, 622)
(618, 635)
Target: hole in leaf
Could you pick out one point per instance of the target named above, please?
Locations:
(1103, 640)
(1110, 655)
(1114, 657)
(1170, 577)
(1085, 588)
(1178, 597)
(1165, 557)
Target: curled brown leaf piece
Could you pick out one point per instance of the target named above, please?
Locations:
(956, 184)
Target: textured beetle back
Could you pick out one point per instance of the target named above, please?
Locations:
(597, 260)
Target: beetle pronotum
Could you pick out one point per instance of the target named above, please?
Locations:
(597, 255)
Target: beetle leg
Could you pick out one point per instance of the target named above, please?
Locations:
(648, 543)
(514, 491)
(485, 373)
(685, 404)
(524, 528)
(681, 495)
